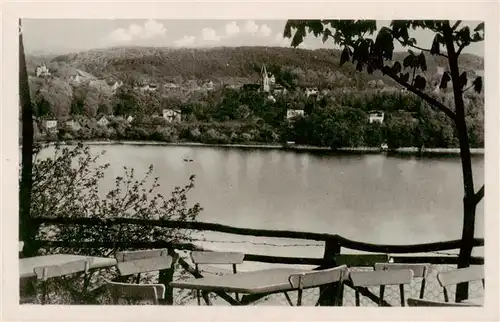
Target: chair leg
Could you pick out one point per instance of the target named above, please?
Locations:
(381, 295)
(422, 288)
(289, 300)
(402, 293)
(356, 293)
(44, 293)
(299, 297)
(234, 272)
(198, 297)
(445, 293)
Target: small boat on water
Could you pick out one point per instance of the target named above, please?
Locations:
(188, 159)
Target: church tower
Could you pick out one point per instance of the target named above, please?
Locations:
(265, 80)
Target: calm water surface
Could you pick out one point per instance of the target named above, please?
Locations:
(370, 198)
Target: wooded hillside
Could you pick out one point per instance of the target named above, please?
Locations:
(229, 64)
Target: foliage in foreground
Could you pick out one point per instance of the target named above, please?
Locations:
(69, 183)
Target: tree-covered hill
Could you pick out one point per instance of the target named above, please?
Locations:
(230, 64)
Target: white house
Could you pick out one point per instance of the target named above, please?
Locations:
(103, 121)
(170, 85)
(278, 89)
(311, 91)
(51, 125)
(130, 118)
(290, 113)
(42, 71)
(74, 125)
(172, 115)
(116, 85)
(209, 85)
(376, 116)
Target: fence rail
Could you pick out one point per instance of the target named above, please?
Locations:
(203, 226)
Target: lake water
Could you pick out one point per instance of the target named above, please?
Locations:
(372, 198)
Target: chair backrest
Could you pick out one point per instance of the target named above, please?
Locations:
(130, 291)
(144, 265)
(201, 257)
(468, 274)
(318, 278)
(419, 270)
(361, 260)
(421, 302)
(46, 272)
(379, 278)
(140, 254)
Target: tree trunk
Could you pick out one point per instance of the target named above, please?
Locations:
(26, 229)
(465, 156)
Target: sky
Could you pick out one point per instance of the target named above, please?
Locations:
(71, 35)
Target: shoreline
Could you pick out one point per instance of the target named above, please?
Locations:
(293, 147)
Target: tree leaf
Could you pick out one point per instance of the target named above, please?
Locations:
(344, 56)
(444, 80)
(405, 77)
(477, 37)
(420, 82)
(359, 66)
(464, 35)
(287, 32)
(409, 61)
(299, 36)
(326, 34)
(435, 49)
(421, 62)
(462, 80)
(396, 68)
(478, 84)
(479, 27)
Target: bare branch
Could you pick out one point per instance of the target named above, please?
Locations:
(465, 90)
(420, 94)
(460, 48)
(456, 24)
(478, 196)
(418, 47)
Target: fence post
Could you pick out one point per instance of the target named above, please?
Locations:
(328, 293)
(166, 276)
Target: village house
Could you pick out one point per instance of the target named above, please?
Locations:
(311, 91)
(130, 118)
(170, 85)
(103, 121)
(291, 113)
(376, 116)
(51, 126)
(74, 125)
(208, 85)
(79, 77)
(116, 86)
(278, 89)
(172, 115)
(42, 71)
(149, 88)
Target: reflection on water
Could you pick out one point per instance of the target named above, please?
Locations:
(372, 198)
